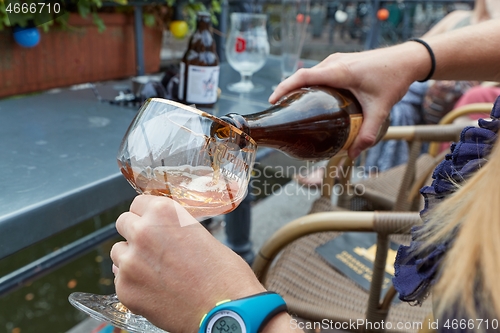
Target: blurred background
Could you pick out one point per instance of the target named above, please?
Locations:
(335, 26)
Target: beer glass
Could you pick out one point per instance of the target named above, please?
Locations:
(170, 150)
(294, 21)
(247, 49)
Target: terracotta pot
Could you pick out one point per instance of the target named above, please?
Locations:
(81, 55)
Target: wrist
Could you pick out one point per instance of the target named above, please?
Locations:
(431, 57)
(281, 323)
(423, 61)
(249, 314)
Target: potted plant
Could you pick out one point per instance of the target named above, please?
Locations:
(81, 41)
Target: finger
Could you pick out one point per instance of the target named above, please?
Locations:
(139, 204)
(304, 77)
(117, 251)
(373, 120)
(124, 224)
(142, 203)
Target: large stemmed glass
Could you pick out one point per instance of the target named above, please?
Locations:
(175, 150)
(247, 49)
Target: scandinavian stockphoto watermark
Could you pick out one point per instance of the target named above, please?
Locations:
(429, 324)
(274, 180)
(353, 324)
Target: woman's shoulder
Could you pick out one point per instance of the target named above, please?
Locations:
(454, 20)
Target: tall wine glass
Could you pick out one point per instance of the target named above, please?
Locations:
(247, 49)
(172, 150)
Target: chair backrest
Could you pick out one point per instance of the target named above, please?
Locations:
(402, 190)
(475, 108)
(389, 190)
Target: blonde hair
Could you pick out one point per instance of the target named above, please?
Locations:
(470, 219)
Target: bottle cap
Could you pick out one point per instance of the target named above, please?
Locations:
(203, 14)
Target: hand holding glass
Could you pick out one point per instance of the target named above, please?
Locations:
(170, 150)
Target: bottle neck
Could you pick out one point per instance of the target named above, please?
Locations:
(203, 22)
(201, 40)
(237, 121)
(202, 25)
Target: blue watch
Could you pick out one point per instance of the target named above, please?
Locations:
(244, 315)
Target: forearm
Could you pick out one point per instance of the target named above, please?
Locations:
(465, 54)
(380, 78)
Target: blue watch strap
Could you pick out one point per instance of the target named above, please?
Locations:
(255, 310)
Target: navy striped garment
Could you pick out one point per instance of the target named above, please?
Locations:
(415, 274)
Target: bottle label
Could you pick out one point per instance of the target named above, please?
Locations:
(182, 70)
(356, 121)
(202, 84)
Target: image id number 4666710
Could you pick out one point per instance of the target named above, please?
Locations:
(39, 11)
(33, 8)
(471, 324)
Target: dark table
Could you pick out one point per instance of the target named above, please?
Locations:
(59, 150)
(59, 165)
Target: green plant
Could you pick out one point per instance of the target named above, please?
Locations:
(157, 13)
(161, 15)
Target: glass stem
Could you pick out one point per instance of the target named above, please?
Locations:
(246, 79)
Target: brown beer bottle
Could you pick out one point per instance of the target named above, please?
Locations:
(309, 123)
(199, 67)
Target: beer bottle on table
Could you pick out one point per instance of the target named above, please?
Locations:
(199, 67)
(313, 123)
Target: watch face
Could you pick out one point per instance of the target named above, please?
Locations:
(226, 325)
(226, 321)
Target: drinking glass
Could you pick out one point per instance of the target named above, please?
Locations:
(247, 48)
(173, 150)
(294, 21)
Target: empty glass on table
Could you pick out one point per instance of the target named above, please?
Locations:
(293, 29)
(247, 49)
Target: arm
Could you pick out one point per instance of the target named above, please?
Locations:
(448, 22)
(172, 275)
(379, 78)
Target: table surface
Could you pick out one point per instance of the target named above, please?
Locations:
(59, 154)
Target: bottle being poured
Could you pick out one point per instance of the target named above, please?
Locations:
(312, 123)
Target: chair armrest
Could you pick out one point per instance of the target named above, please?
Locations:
(448, 132)
(466, 110)
(381, 222)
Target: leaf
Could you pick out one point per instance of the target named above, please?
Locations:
(4, 20)
(149, 19)
(99, 22)
(83, 8)
(43, 17)
(63, 20)
(45, 26)
(20, 19)
(216, 7)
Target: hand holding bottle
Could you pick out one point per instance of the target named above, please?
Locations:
(360, 73)
(379, 78)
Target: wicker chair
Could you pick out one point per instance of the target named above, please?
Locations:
(315, 291)
(396, 189)
(289, 264)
